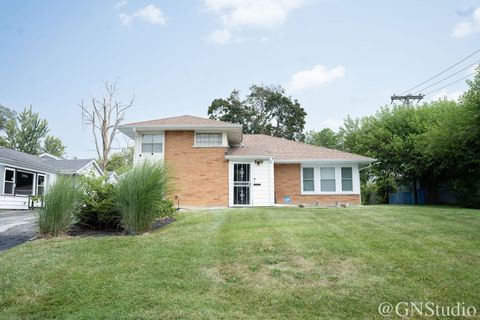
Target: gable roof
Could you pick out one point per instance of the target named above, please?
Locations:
(31, 162)
(187, 121)
(49, 156)
(70, 166)
(260, 145)
(234, 130)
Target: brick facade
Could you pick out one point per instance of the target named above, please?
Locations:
(200, 175)
(287, 182)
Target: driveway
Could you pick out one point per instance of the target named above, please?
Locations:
(16, 227)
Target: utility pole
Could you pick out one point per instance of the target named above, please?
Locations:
(407, 98)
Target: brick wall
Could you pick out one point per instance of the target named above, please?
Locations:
(200, 175)
(287, 182)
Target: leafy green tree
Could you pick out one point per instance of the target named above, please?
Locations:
(121, 162)
(6, 115)
(323, 138)
(455, 144)
(26, 132)
(265, 110)
(53, 145)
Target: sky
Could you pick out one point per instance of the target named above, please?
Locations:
(337, 58)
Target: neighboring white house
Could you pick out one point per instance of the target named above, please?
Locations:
(23, 175)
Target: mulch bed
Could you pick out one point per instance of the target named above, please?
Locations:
(79, 232)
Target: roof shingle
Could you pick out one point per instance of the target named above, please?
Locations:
(184, 121)
(283, 149)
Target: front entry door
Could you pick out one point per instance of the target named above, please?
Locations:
(241, 184)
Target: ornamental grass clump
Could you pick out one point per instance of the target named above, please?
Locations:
(61, 204)
(139, 195)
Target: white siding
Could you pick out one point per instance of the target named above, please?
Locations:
(13, 202)
(137, 153)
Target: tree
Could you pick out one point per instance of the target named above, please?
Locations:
(265, 110)
(6, 114)
(54, 146)
(26, 131)
(104, 116)
(324, 138)
(121, 162)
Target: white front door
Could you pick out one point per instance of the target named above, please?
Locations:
(261, 183)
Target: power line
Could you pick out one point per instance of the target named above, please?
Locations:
(442, 72)
(447, 85)
(447, 77)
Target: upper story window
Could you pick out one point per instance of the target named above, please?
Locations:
(209, 139)
(347, 179)
(152, 143)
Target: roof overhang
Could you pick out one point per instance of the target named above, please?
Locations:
(25, 166)
(234, 132)
(360, 162)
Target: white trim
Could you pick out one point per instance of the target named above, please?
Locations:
(44, 183)
(338, 179)
(272, 181)
(33, 182)
(138, 155)
(244, 158)
(50, 156)
(4, 180)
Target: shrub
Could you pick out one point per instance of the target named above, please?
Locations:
(139, 195)
(98, 210)
(61, 203)
(166, 208)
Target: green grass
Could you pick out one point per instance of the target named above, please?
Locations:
(252, 264)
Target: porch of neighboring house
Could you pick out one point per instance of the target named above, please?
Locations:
(20, 186)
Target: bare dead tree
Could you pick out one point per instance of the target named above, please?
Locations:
(104, 116)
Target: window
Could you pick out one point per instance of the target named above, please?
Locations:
(40, 185)
(327, 179)
(308, 180)
(208, 139)
(347, 179)
(24, 183)
(9, 181)
(152, 143)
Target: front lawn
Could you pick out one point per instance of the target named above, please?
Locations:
(252, 263)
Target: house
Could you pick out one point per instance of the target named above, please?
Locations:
(23, 175)
(214, 164)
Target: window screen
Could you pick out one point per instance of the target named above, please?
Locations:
(347, 179)
(308, 179)
(208, 139)
(327, 179)
(152, 143)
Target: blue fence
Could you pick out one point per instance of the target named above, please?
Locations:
(406, 197)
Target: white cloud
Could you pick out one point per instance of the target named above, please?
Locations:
(120, 4)
(238, 14)
(314, 78)
(220, 36)
(466, 28)
(150, 13)
(455, 95)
